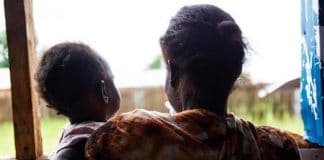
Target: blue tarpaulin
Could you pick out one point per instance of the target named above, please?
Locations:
(311, 76)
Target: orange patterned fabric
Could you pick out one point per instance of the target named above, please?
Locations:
(190, 135)
(304, 143)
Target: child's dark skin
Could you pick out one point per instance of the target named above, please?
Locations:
(78, 84)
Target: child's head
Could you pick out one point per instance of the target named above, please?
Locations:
(77, 83)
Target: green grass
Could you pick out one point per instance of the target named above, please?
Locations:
(7, 147)
(286, 123)
(51, 132)
(263, 114)
(50, 128)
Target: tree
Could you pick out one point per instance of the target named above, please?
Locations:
(156, 63)
(4, 61)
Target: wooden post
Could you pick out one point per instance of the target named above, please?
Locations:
(22, 59)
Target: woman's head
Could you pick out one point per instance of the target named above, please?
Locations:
(204, 52)
(77, 83)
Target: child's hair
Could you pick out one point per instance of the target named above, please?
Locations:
(67, 73)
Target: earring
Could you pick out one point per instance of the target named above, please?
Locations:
(104, 93)
(171, 79)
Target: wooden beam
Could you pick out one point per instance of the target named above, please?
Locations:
(22, 59)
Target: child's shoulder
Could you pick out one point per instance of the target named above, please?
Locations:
(73, 134)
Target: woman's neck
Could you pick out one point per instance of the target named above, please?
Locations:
(217, 106)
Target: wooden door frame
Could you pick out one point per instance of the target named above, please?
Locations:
(22, 60)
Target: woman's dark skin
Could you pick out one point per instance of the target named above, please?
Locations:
(204, 57)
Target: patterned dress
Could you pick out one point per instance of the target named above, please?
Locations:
(190, 135)
(74, 133)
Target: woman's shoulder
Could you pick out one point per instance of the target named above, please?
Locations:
(192, 133)
(128, 135)
(142, 133)
(276, 144)
(140, 114)
(271, 142)
(145, 122)
(145, 118)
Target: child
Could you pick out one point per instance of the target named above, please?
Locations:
(78, 84)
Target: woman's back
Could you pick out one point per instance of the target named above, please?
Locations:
(191, 134)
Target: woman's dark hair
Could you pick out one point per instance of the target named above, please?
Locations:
(207, 47)
(67, 73)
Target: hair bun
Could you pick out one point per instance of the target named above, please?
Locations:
(230, 32)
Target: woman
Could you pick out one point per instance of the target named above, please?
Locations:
(75, 81)
(204, 52)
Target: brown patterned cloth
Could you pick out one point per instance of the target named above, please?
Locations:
(304, 143)
(193, 134)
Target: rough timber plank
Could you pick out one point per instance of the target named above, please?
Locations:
(21, 44)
